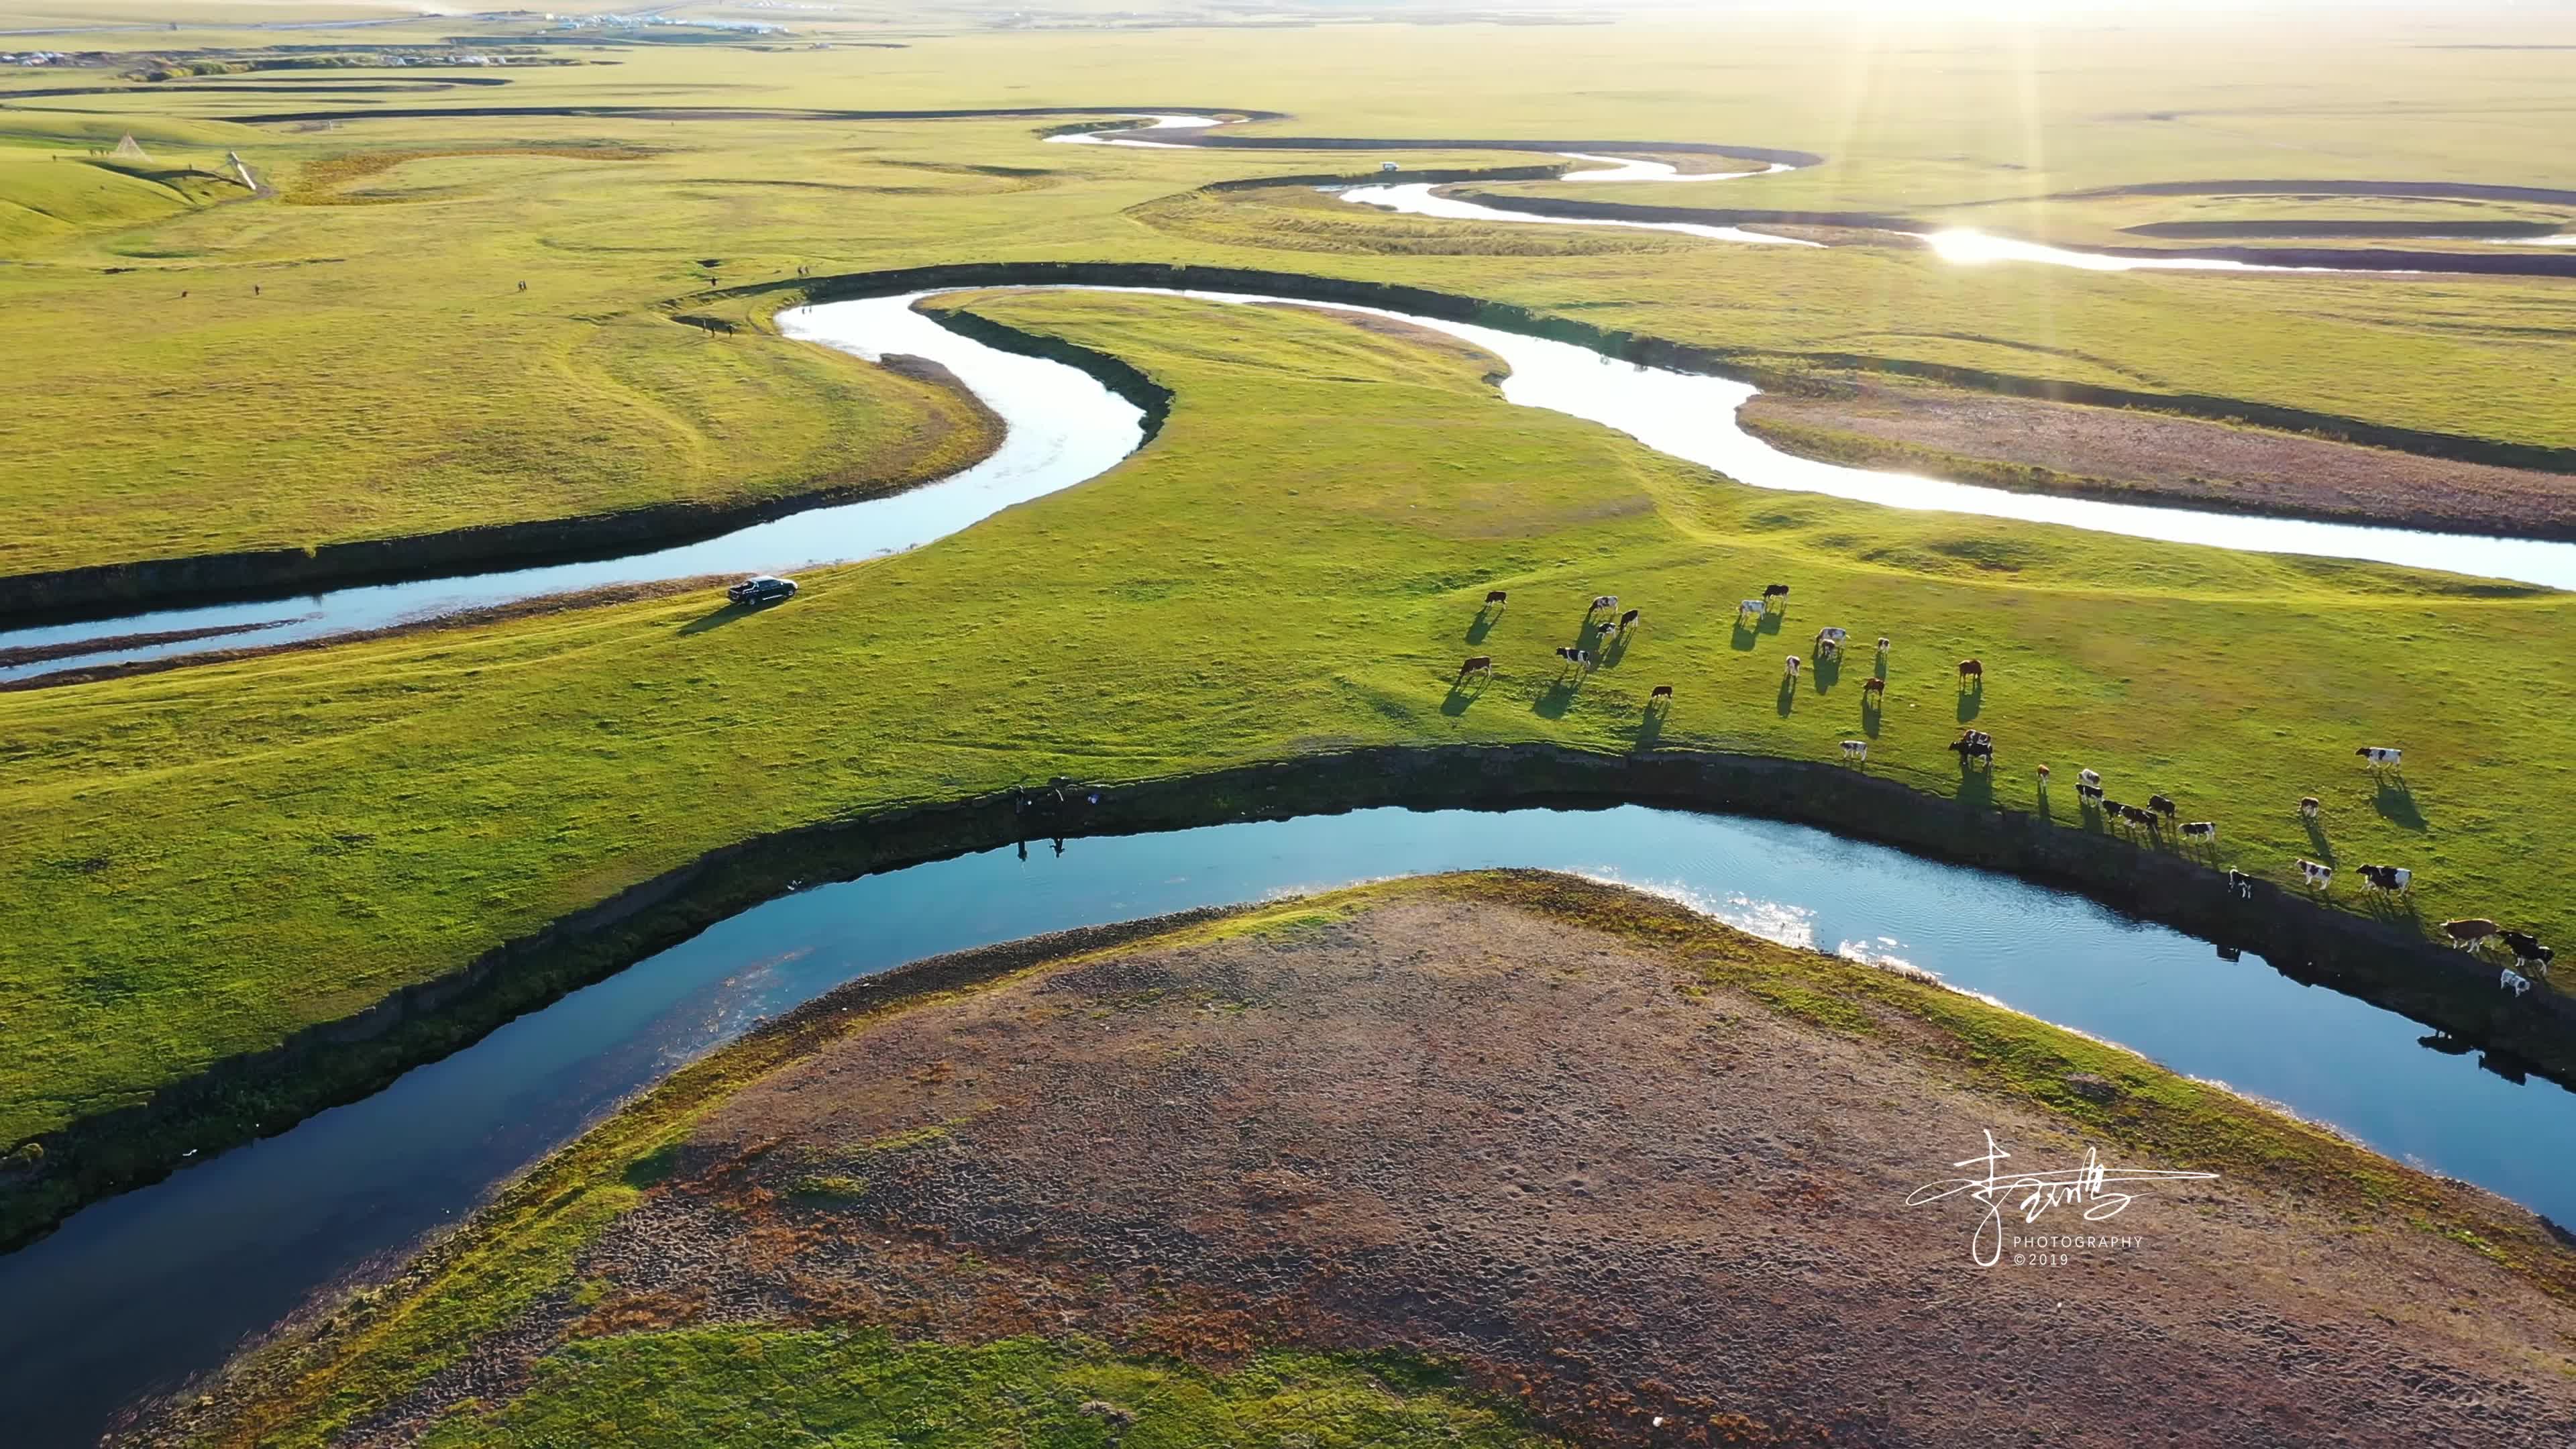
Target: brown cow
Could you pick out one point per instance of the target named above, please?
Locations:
(1872, 686)
(1972, 669)
(2469, 932)
(1496, 596)
(1481, 664)
(1661, 692)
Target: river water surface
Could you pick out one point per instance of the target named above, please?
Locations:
(1063, 427)
(137, 1292)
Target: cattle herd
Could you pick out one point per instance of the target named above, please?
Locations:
(1977, 748)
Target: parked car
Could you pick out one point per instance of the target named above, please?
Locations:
(761, 589)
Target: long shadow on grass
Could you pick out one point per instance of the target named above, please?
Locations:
(717, 618)
(2322, 848)
(1788, 694)
(1746, 636)
(1463, 693)
(1650, 728)
(1829, 667)
(1976, 784)
(1484, 625)
(1559, 697)
(1971, 701)
(2396, 804)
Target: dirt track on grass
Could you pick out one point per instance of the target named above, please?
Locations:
(1535, 1149)
(2136, 457)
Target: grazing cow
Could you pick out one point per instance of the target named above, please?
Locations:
(2538, 961)
(1629, 619)
(2203, 830)
(2162, 805)
(1974, 749)
(1885, 643)
(2468, 932)
(1609, 631)
(2090, 777)
(1792, 668)
(2521, 943)
(1830, 641)
(1660, 694)
(1481, 664)
(2319, 877)
(2241, 883)
(2043, 777)
(1581, 658)
(2513, 981)
(1601, 602)
(1870, 687)
(1496, 596)
(2308, 808)
(1976, 737)
(1856, 750)
(1751, 606)
(2088, 792)
(2136, 816)
(1775, 591)
(2389, 878)
(2380, 757)
(1972, 669)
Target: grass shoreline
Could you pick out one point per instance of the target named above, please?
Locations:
(103, 590)
(267, 1092)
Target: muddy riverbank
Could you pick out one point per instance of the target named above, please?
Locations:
(1608, 1160)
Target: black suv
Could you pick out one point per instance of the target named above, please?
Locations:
(761, 589)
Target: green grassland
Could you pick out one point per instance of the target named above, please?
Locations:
(750, 1382)
(389, 379)
(197, 863)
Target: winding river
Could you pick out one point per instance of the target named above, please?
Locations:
(1962, 245)
(1063, 427)
(136, 1293)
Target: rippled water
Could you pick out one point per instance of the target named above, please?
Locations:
(140, 1291)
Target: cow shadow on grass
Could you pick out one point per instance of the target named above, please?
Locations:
(1650, 727)
(1486, 618)
(1558, 697)
(1970, 702)
(1872, 715)
(1466, 690)
(1746, 636)
(2321, 849)
(2396, 805)
(1788, 694)
(717, 618)
(1828, 668)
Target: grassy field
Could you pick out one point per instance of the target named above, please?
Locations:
(388, 378)
(640, 1367)
(197, 863)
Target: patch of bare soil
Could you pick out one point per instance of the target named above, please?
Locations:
(2146, 457)
(1651, 1211)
